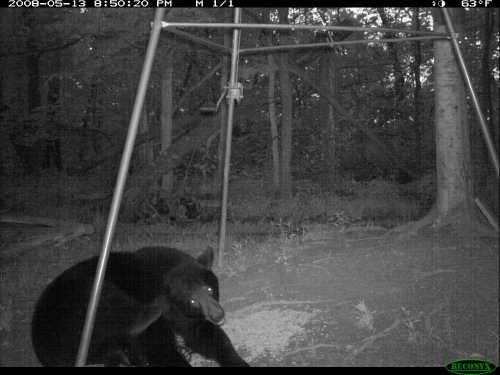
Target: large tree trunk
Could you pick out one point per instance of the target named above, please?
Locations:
(452, 132)
(453, 204)
(286, 110)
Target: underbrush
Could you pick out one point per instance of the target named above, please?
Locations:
(54, 195)
(285, 239)
(373, 200)
(250, 200)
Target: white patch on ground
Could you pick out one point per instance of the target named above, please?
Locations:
(264, 333)
(267, 332)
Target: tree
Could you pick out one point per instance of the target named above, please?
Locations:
(452, 131)
(453, 203)
(272, 115)
(286, 111)
(167, 113)
(417, 107)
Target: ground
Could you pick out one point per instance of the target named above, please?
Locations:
(330, 297)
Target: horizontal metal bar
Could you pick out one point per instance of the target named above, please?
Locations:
(297, 27)
(195, 39)
(346, 42)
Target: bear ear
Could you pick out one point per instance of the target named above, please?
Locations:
(206, 258)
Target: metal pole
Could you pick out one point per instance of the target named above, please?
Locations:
(342, 43)
(229, 133)
(475, 100)
(120, 183)
(223, 49)
(195, 39)
(298, 27)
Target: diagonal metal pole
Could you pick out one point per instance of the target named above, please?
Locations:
(117, 197)
(298, 27)
(468, 82)
(331, 44)
(229, 134)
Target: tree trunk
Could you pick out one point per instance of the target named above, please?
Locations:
(53, 124)
(452, 130)
(326, 66)
(84, 146)
(417, 124)
(453, 204)
(286, 109)
(166, 115)
(273, 119)
(145, 150)
(399, 77)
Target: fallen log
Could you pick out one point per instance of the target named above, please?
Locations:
(58, 232)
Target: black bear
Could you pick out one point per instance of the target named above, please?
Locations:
(149, 298)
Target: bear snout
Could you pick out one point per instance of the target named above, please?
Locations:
(212, 310)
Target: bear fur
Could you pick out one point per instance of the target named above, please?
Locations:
(148, 299)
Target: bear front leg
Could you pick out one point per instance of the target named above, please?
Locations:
(210, 341)
(123, 351)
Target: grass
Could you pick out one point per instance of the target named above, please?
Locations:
(271, 333)
(254, 213)
(262, 230)
(373, 200)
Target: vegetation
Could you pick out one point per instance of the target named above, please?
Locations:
(74, 74)
(331, 147)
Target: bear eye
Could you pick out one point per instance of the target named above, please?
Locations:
(193, 302)
(210, 290)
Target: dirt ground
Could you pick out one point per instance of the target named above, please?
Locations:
(352, 298)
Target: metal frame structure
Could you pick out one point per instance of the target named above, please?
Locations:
(468, 81)
(118, 193)
(234, 93)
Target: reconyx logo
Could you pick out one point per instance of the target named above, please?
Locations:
(471, 366)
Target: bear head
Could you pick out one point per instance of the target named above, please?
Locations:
(192, 290)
